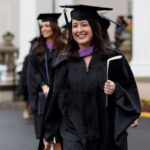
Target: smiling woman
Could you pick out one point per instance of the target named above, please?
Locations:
(82, 33)
(46, 29)
(43, 52)
(93, 112)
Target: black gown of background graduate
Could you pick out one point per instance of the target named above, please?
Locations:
(36, 78)
(22, 89)
(78, 104)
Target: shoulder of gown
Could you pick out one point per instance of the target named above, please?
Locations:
(114, 52)
(59, 60)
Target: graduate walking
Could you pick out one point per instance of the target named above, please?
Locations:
(94, 98)
(44, 50)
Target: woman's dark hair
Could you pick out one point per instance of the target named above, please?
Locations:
(98, 40)
(58, 42)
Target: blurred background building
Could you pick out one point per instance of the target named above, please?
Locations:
(18, 18)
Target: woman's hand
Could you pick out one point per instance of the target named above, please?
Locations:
(135, 123)
(109, 87)
(45, 89)
(47, 145)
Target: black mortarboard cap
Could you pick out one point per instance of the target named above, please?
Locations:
(81, 12)
(53, 17)
(105, 22)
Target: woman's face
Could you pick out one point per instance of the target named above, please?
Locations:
(46, 29)
(82, 33)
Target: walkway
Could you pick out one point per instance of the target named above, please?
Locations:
(18, 134)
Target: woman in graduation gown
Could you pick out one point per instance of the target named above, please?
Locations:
(44, 50)
(22, 88)
(91, 105)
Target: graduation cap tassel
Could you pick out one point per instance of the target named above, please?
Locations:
(66, 18)
(67, 24)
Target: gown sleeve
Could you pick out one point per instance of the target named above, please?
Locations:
(127, 101)
(52, 119)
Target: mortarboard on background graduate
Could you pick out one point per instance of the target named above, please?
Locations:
(52, 17)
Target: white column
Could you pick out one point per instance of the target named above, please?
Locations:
(8, 14)
(28, 26)
(59, 9)
(141, 44)
(44, 6)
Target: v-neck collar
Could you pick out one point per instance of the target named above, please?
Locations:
(91, 63)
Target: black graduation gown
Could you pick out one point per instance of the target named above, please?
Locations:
(36, 78)
(22, 89)
(78, 104)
